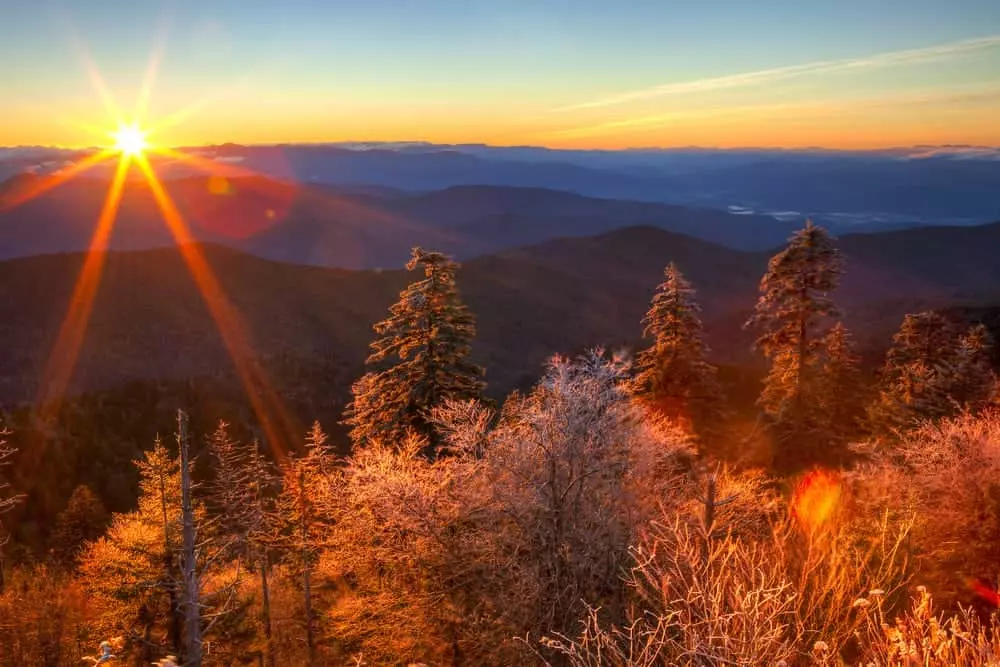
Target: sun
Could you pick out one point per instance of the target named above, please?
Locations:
(130, 140)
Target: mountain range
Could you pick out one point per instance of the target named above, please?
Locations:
(312, 324)
(896, 187)
(356, 227)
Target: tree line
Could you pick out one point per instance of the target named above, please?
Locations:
(585, 522)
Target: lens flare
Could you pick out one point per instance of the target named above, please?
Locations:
(816, 499)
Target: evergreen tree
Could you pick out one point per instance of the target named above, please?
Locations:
(133, 569)
(421, 358)
(793, 315)
(974, 383)
(83, 520)
(912, 383)
(672, 373)
(156, 575)
(243, 493)
(840, 388)
(303, 511)
(931, 371)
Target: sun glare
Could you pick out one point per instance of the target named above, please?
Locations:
(130, 140)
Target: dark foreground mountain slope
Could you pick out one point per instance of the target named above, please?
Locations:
(149, 320)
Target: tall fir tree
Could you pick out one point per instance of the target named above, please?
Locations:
(793, 315)
(841, 390)
(133, 569)
(304, 519)
(420, 360)
(156, 575)
(673, 373)
(244, 493)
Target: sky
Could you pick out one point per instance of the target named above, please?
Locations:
(558, 73)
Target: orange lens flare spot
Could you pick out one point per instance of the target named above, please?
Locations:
(816, 499)
(219, 185)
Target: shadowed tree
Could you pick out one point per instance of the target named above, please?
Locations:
(83, 520)
(974, 383)
(793, 316)
(421, 358)
(841, 391)
(672, 373)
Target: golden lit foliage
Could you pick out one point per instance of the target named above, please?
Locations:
(947, 474)
(750, 598)
(45, 618)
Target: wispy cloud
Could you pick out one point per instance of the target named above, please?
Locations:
(989, 94)
(745, 79)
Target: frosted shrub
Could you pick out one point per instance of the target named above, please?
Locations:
(919, 637)
(747, 589)
(947, 475)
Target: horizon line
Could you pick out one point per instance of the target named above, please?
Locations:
(431, 144)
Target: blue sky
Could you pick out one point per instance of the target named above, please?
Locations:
(605, 74)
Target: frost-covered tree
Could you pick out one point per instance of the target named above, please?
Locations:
(533, 511)
(303, 511)
(931, 371)
(132, 571)
(157, 575)
(841, 390)
(244, 493)
(576, 465)
(793, 315)
(974, 383)
(673, 373)
(420, 359)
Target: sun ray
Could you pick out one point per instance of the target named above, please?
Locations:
(149, 78)
(65, 352)
(53, 180)
(266, 404)
(96, 80)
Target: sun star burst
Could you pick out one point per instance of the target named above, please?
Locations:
(130, 140)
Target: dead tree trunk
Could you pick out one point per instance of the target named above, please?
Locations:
(189, 561)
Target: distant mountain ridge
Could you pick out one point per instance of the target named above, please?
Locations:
(905, 186)
(356, 226)
(350, 227)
